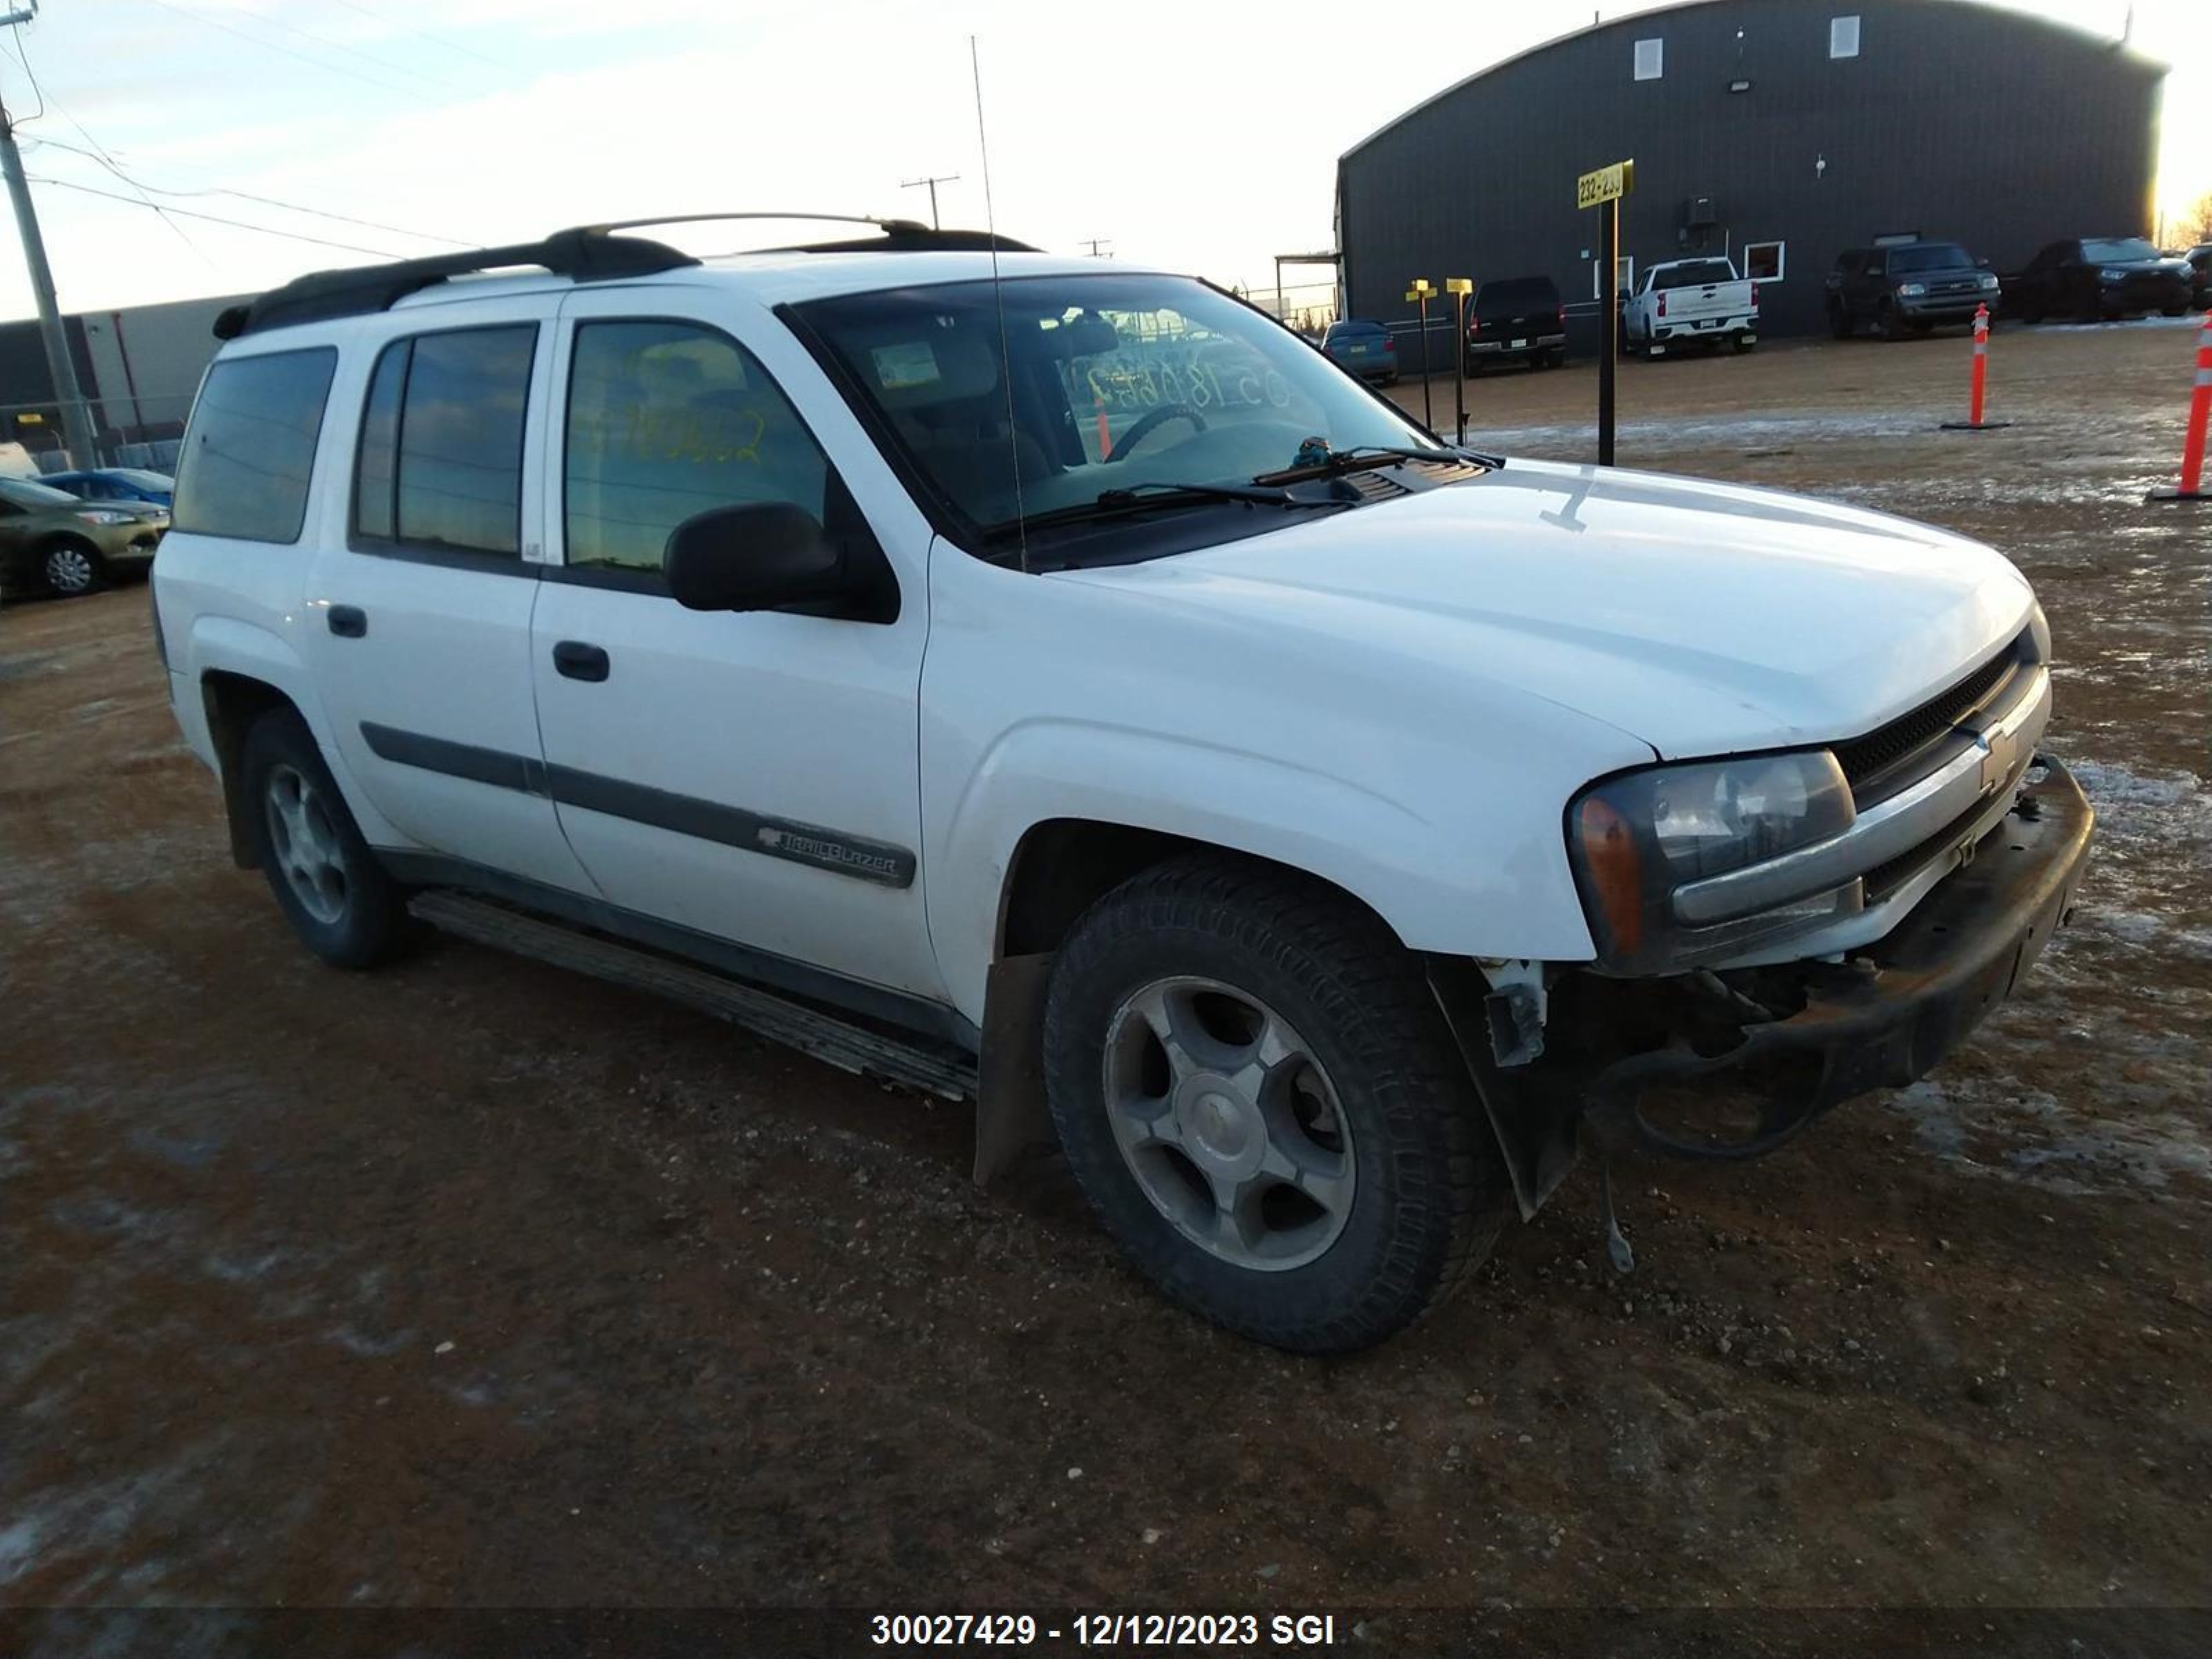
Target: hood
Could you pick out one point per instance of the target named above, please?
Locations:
(1703, 618)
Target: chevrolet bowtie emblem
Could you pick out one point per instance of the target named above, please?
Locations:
(1999, 751)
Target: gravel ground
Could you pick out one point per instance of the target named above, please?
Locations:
(472, 1283)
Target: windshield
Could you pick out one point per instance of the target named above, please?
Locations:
(1118, 382)
(1516, 293)
(37, 497)
(2115, 249)
(1354, 330)
(1932, 256)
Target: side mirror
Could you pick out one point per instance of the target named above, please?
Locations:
(756, 555)
(1982, 265)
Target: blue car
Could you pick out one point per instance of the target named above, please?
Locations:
(1364, 347)
(116, 483)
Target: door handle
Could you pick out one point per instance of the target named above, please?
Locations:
(348, 622)
(579, 661)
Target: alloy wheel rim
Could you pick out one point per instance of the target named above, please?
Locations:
(1229, 1123)
(68, 570)
(309, 855)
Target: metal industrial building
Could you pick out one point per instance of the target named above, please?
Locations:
(1781, 132)
(138, 369)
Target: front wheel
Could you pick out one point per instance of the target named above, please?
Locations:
(1261, 1100)
(331, 888)
(71, 568)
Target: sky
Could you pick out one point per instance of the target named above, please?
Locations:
(1198, 137)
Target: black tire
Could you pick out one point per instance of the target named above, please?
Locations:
(71, 567)
(1429, 1192)
(2173, 311)
(1892, 323)
(1741, 342)
(362, 918)
(1839, 322)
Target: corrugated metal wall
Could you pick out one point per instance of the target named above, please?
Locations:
(1955, 119)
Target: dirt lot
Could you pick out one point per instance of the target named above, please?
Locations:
(474, 1283)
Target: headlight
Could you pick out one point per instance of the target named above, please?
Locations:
(1911, 290)
(1638, 837)
(2111, 276)
(1989, 283)
(100, 515)
(2039, 634)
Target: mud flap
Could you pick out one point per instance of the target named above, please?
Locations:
(1011, 1119)
(1535, 1124)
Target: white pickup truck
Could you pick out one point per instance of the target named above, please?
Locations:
(1055, 684)
(1690, 302)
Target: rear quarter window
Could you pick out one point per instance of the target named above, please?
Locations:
(250, 450)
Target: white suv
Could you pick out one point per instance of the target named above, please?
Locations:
(1056, 683)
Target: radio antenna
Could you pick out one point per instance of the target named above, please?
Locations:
(998, 301)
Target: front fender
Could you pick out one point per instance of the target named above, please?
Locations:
(1419, 874)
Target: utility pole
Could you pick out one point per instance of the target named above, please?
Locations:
(932, 182)
(77, 441)
(1095, 243)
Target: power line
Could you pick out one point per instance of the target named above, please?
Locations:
(102, 156)
(217, 219)
(24, 59)
(325, 41)
(271, 45)
(108, 161)
(422, 34)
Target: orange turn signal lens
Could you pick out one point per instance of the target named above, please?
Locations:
(1615, 867)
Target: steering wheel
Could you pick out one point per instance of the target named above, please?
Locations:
(1150, 423)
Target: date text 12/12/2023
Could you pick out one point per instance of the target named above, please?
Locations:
(1104, 1630)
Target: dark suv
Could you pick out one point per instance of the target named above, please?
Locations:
(1517, 317)
(2100, 278)
(1911, 286)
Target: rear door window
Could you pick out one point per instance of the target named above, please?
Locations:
(250, 451)
(439, 467)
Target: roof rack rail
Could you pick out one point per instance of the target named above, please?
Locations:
(899, 235)
(585, 253)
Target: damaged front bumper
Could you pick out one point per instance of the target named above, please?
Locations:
(1769, 1049)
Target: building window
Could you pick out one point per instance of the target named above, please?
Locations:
(1843, 37)
(1624, 275)
(1763, 262)
(1651, 58)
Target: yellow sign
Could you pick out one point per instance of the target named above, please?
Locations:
(1420, 289)
(1459, 284)
(1606, 184)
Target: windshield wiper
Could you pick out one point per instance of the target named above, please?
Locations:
(1161, 490)
(1159, 493)
(1368, 457)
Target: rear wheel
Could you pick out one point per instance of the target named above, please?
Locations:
(71, 567)
(1259, 1097)
(331, 888)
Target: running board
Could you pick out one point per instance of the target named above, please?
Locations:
(919, 1064)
